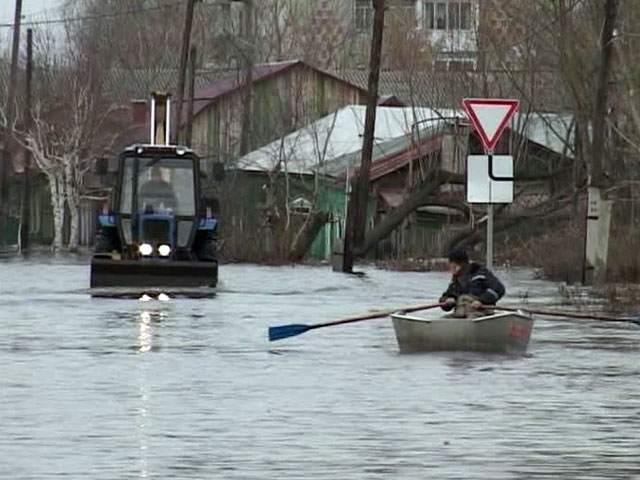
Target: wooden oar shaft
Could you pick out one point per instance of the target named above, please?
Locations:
(568, 315)
(371, 316)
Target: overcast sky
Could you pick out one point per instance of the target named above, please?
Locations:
(32, 10)
(29, 8)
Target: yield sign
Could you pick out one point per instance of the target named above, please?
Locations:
(489, 117)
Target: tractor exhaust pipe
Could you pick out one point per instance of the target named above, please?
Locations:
(160, 127)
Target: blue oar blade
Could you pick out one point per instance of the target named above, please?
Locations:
(284, 331)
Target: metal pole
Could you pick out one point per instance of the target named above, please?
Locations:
(490, 223)
(490, 236)
(152, 134)
(167, 121)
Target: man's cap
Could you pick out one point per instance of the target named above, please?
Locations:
(458, 256)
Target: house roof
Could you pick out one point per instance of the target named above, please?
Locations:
(390, 101)
(121, 86)
(236, 80)
(555, 132)
(391, 163)
(544, 90)
(332, 145)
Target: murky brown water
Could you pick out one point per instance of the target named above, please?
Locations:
(115, 389)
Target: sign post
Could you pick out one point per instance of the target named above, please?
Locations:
(489, 177)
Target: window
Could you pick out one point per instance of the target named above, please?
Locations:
(441, 16)
(428, 15)
(301, 205)
(127, 187)
(363, 15)
(166, 185)
(454, 18)
(447, 15)
(454, 65)
(465, 16)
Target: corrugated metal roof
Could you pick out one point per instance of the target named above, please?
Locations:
(447, 89)
(122, 86)
(555, 132)
(332, 144)
(429, 144)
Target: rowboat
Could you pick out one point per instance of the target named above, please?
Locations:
(504, 332)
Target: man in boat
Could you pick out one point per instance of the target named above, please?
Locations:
(473, 287)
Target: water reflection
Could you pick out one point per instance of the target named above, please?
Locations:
(145, 337)
(143, 442)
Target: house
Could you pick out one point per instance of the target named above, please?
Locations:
(539, 143)
(284, 97)
(316, 161)
(409, 143)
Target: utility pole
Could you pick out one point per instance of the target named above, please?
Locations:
(607, 37)
(599, 208)
(248, 76)
(356, 220)
(5, 167)
(25, 216)
(184, 53)
(192, 88)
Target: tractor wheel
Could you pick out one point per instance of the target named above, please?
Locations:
(102, 244)
(208, 250)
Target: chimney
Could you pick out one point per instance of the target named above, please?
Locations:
(139, 112)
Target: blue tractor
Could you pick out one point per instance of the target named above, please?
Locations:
(159, 233)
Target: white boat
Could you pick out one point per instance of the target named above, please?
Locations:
(504, 332)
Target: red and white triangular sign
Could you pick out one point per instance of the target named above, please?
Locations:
(490, 117)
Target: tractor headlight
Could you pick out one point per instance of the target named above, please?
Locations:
(145, 249)
(164, 250)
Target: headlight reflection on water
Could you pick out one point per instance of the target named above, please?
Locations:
(145, 338)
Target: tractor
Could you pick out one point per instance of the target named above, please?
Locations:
(158, 233)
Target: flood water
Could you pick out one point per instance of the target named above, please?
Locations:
(120, 389)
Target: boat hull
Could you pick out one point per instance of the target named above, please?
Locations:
(500, 333)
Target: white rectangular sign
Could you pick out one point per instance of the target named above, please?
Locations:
(481, 188)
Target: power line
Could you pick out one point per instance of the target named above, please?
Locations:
(92, 17)
(40, 13)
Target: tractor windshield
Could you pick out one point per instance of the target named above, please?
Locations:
(163, 185)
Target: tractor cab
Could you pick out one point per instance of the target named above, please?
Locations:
(156, 202)
(158, 234)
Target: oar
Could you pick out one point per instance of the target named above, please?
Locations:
(283, 331)
(579, 316)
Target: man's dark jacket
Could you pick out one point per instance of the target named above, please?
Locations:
(476, 280)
